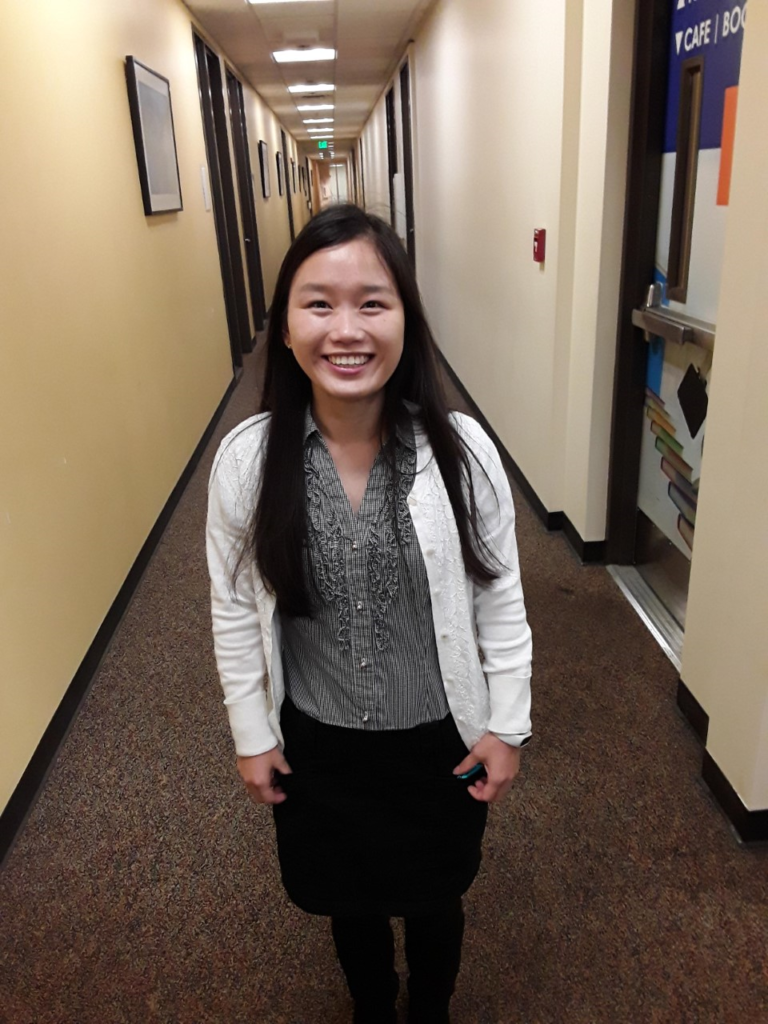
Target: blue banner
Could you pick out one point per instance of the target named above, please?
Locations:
(713, 30)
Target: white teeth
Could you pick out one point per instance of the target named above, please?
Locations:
(348, 360)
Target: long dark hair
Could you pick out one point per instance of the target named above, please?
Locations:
(277, 532)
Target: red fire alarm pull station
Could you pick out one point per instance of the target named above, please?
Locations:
(539, 244)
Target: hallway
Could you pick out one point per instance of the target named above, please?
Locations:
(144, 887)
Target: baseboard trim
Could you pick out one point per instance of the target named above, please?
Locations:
(692, 711)
(588, 551)
(750, 826)
(30, 785)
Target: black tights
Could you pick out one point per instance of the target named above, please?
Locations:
(366, 951)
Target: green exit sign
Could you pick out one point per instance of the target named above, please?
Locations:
(322, 144)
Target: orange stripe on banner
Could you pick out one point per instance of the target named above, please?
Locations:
(726, 145)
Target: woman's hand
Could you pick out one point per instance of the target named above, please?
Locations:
(258, 774)
(502, 763)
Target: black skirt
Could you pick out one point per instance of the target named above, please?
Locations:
(375, 822)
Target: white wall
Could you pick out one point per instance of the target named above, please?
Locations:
(374, 142)
(488, 150)
(510, 135)
(606, 38)
(725, 659)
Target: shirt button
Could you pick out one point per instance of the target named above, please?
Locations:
(363, 663)
(359, 606)
(354, 545)
(365, 717)
(429, 552)
(411, 500)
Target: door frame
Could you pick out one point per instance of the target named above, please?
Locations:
(646, 145)
(405, 114)
(287, 176)
(247, 202)
(222, 201)
(389, 105)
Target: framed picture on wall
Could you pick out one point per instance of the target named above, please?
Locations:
(264, 167)
(293, 174)
(279, 162)
(149, 99)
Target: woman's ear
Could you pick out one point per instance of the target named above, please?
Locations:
(286, 339)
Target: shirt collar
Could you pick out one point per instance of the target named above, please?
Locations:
(405, 432)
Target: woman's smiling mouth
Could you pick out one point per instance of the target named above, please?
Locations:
(352, 360)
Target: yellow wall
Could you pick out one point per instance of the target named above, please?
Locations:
(114, 351)
(725, 658)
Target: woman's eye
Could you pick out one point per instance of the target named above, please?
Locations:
(319, 304)
(372, 304)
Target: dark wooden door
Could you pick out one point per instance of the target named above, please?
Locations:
(223, 199)
(247, 201)
(405, 108)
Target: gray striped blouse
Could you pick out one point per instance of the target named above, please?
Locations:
(368, 658)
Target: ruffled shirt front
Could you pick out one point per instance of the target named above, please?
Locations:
(367, 658)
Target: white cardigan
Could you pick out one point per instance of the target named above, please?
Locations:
(483, 638)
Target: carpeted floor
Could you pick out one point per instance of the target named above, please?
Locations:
(144, 887)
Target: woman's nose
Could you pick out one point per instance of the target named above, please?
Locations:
(346, 324)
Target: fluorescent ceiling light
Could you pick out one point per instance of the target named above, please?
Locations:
(296, 56)
(324, 131)
(318, 120)
(311, 88)
(316, 106)
(284, 1)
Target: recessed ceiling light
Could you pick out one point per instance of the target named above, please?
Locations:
(318, 120)
(315, 106)
(297, 56)
(311, 88)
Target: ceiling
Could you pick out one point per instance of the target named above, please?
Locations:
(369, 36)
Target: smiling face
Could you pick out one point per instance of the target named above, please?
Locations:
(345, 324)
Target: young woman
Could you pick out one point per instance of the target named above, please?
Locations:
(368, 615)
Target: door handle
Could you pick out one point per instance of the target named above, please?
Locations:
(655, 324)
(679, 329)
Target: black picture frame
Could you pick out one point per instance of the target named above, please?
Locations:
(266, 190)
(149, 99)
(293, 174)
(279, 163)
